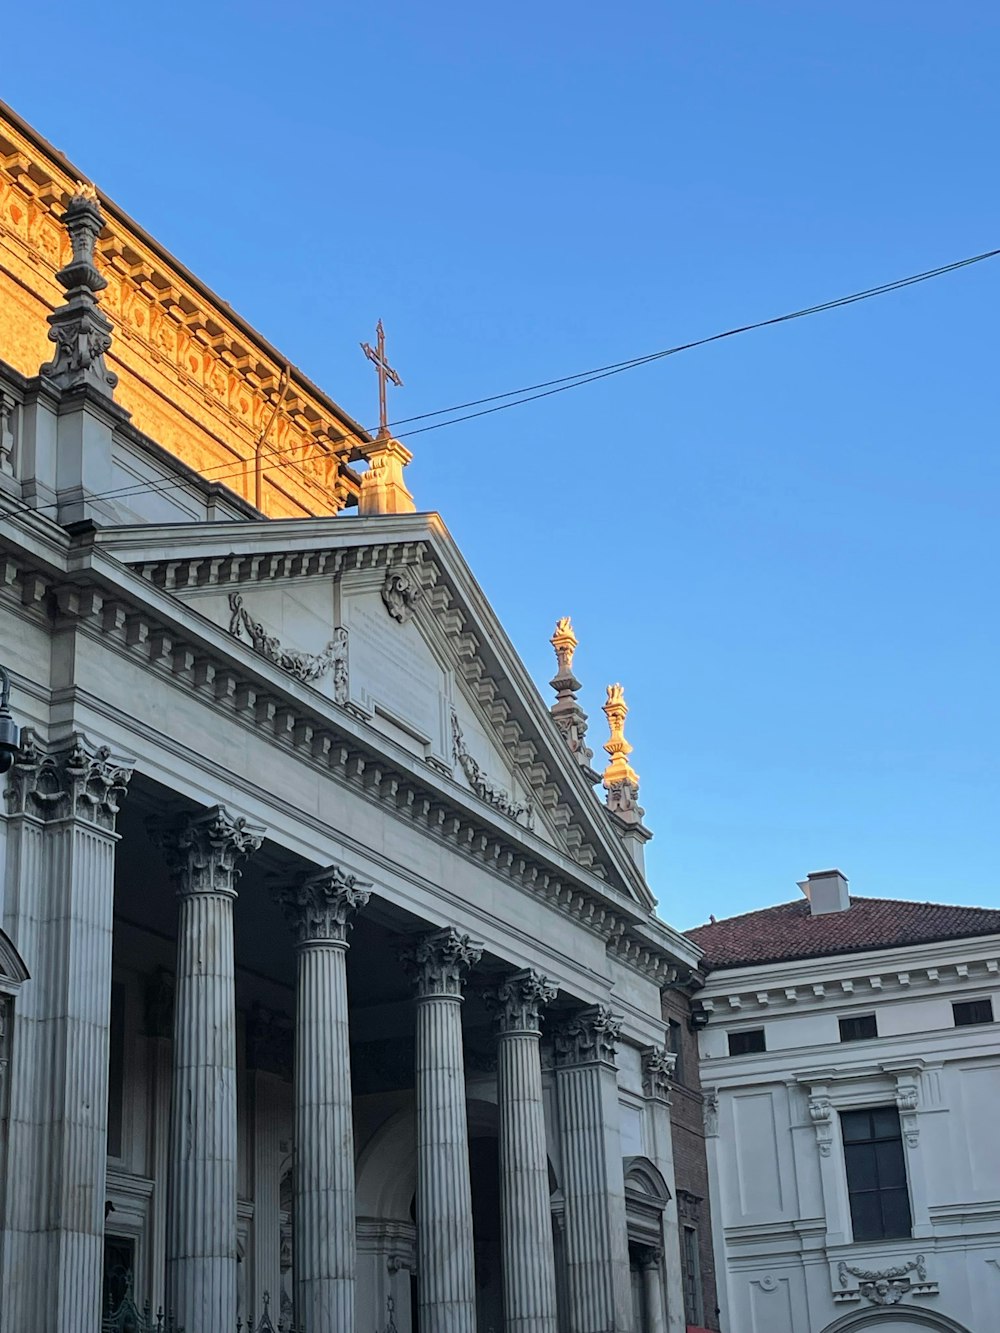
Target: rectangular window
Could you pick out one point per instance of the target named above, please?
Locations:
(675, 1040)
(876, 1173)
(747, 1043)
(861, 1028)
(969, 1012)
(693, 1311)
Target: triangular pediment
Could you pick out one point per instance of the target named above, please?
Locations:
(383, 618)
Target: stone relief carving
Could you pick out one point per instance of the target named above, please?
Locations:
(888, 1286)
(400, 593)
(907, 1100)
(306, 667)
(485, 789)
(710, 1111)
(79, 780)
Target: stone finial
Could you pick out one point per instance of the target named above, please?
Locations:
(567, 714)
(621, 781)
(81, 332)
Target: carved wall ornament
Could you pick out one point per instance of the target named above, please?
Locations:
(76, 780)
(485, 789)
(710, 1111)
(590, 1037)
(517, 1002)
(907, 1101)
(887, 1286)
(400, 593)
(658, 1066)
(437, 963)
(321, 907)
(205, 851)
(306, 667)
(821, 1114)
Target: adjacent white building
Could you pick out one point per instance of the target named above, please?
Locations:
(851, 1066)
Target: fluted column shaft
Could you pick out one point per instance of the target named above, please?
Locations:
(529, 1286)
(325, 1244)
(59, 912)
(445, 1261)
(204, 852)
(597, 1260)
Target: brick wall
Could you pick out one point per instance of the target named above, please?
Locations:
(690, 1165)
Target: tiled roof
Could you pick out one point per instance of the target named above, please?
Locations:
(789, 931)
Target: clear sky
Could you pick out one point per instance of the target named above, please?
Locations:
(784, 545)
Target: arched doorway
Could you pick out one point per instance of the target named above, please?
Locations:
(895, 1320)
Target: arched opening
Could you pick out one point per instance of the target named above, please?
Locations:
(897, 1319)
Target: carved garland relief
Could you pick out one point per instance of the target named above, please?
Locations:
(307, 667)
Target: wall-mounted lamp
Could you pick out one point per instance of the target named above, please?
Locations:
(10, 734)
(699, 1017)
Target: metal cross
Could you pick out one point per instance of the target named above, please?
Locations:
(376, 355)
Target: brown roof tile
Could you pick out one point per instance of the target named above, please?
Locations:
(789, 931)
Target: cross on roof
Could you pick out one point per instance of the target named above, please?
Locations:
(385, 372)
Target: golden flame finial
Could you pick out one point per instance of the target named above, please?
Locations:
(621, 781)
(564, 641)
(85, 190)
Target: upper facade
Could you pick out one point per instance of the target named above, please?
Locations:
(851, 1066)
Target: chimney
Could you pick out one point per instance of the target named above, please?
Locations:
(826, 891)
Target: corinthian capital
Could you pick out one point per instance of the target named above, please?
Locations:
(517, 1003)
(590, 1037)
(437, 963)
(205, 852)
(321, 907)
(73, 780)
(657, 1071)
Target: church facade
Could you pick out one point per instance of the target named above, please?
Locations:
(330, 987)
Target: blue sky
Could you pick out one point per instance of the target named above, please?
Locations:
(784, 545)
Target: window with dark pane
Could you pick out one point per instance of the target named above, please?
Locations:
(693, 1311)
(861, 1028)
(876, 1173)
(675, 1043)
(970, 1012)
(747, 1043)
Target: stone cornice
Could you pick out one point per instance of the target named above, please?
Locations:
(856, 980)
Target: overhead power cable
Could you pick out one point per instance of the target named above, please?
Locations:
(546, 388)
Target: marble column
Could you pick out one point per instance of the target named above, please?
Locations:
(600, 1298)
(205, 852)
(63, 805)
(652, 1289)
(529, 1284)
(437, 964)
(320, 909)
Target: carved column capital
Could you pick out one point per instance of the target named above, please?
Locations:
(437, 963)
(590, 1037)
(321, 907)
(649, 1256)
(73, 780)
(657, 1072)
(517, 1002)
(205, 851)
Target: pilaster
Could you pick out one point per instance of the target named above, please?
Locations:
(438, 964)
(205, 853)
(62, 804)
(657, 1074)
(320, 909)
(529, 1286)
(593, 1176)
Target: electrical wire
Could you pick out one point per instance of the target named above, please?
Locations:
(547, 388)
